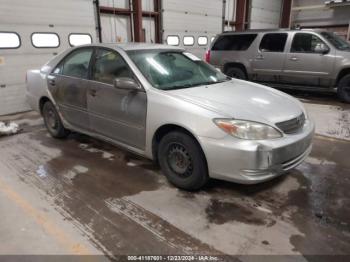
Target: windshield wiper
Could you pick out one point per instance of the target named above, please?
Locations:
(177, 87)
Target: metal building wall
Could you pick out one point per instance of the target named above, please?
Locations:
(118, 28)
(265, 14)
(25, 17)
(315, 13)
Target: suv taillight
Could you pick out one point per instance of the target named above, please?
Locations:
(207, 56)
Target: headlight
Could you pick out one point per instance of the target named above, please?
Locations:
(247, 129)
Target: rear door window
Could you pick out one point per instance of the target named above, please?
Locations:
(274, 42)
(76, 64)
(234, 42)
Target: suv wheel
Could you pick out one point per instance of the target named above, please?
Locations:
(236, 72)
(344, 89)
(182, 161)
(53, 122)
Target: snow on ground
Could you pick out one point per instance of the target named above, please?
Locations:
(331, 120)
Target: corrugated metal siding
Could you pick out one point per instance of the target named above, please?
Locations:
(25, 17)
(265, 14)
(115, 28)
(195, 18)
(313, 13)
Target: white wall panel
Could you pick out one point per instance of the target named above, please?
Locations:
(115, 3)
(148, 5)
(115, 29)
(265, 14)
(25, 17)
(195, 18)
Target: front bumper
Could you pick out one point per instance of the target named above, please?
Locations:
(250, 162)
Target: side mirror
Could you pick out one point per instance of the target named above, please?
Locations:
(321, 49)
(126, 83)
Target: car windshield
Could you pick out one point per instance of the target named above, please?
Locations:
(336, 41)
(168, 70)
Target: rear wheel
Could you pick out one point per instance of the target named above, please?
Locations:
(182, 161)
(236, 72)
(344, 89)
(53, 122)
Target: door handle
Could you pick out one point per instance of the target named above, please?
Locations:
(52, 82)
(93, 92)
(259, 57)
(294, 58)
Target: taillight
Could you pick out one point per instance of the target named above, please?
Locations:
(207, 56)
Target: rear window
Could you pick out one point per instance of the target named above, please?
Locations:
(273, 42)
(234, 42)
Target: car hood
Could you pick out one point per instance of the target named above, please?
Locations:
(243, 100)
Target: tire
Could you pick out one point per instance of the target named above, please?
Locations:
(236, 72)
(53, 122)
(182, 161)
(344, 89)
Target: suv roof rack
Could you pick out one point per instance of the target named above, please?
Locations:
(263, 30)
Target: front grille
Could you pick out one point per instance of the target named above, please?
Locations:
(293, 125)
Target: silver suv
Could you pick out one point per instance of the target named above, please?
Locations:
(298, 59)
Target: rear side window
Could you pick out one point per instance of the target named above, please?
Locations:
(45, 40)
(234, 42)
(76, 64)
(9, 40)
(79, 39)
(273, 42)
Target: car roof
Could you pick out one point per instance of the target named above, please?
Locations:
(137, 46)
(278, 30)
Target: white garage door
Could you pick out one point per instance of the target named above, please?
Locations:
(265, 14)
(31, 32)
(191, 24)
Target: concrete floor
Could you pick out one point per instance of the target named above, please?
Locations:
(83, 196)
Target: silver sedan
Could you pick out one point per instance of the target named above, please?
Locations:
(166, 104)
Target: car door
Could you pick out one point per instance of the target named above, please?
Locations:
(115, 113)
(269, 59)
(68, 84)
(309, 61)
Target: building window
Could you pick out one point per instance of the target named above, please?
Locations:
(79, 39)
(45, 40)
(188, 40)
(9, 40)
(173, 40)
(202, 40)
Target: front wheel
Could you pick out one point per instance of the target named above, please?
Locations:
(236, 72)
(344, 89)
(182, 161)
(53, 122)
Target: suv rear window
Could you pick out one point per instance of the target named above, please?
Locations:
(234, 42)
(273, 42)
